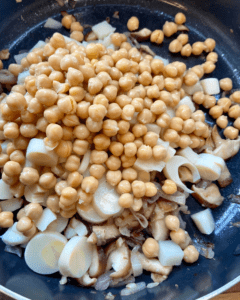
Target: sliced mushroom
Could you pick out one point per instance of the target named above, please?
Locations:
(189, 154)
(142, 35)
(91, 36)
(86, 280)
(158, 277)
(225, 178)
(117, 282)
(167, 206)
(119, 260)
(185, 174)
(92, 239)
(127, 220)
(148, 209)
(144, 49)
(159, 230)
(209, 166)
(98, 263)
(209, 197)
(153, 265)
(182, 28)
(105, 233)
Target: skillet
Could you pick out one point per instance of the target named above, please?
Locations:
(21, 27)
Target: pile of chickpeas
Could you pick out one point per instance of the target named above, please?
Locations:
(96, 99)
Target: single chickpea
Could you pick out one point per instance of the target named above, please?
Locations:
(53, 203)
(191, 254)
(191, 78)
(171, 135)
(123, 187)
(209, 67)
(77, 35)
(97, 171)
(198, 48)
(113, 177)
(29, 176)
(150, 248)
(130, 149)
(126, 138)
(18, 156)
(235, 97)
(164, 120)
(234, 111)
(145, 116)
(195, 141)
(133, 24)
(138, 188)
(145, 78)
(210, 44)
(11, 130)
(67, 21)
(113, 163)
(183, 38)
(151, 189)
(199, 97)
(172, 222)
(184, 141)
(64, 149)
(84, 198)
(222, 122)
(226, 84)
(15, 69)
(129, 174)
(137, 204)
(76, 26)
(128, 112)
(159, 152)
(158, 107)
(60, 186)
(24, 224)
(6, 219)
(74, 179)
(33, 211)
(101, 142)
(16, 102)
(98, 157)
(144, 152)
(150, 139)
(184, 112)
(137, 104)
(225, 103)
(72, 163)
(89, 184)
(116, 148)
(200, 128)
(47, 180)
(178, 236)
(169, 187)
(157, 36)
(12, 168)
(114, 111)
(169, 28)
(128, 162)
(175, 46)
(209, 101)
(180, 18)
(126, 45)
(176, 123)
(68, 196)
(236, 123)
(198, 70)
(126, 200)
(186, 50)
(231, 133)
(216, 111)
(110, 92)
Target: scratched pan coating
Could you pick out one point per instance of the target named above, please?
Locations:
(21, 26)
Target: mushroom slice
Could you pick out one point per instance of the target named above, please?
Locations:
(119, 260)
(13, 237)
(170, 254)
(209, 166)
(105, 200)
(85, 162)
(76, 257)
(39, 155)
(204, 221)
(90, 36)
(98, 263)
(185, 174)
(225, 178)
(46, 218)
(5, 191)
(58, 225)
(79, 227)
(153, 265)
(190, 90)
(159, 230)
(103, 29)
(154, 128)
(105, 233)
(158, 277)
(187, 101)
(189, 154)
(209, 197)
(210, 86)
(149, 165)
(86, 280)
(171, 171)
(43, 251)
(142, 35)
(11, 204)
(89, 214)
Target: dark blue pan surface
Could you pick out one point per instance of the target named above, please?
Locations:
(21, 26)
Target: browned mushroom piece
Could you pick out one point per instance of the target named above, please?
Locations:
(182, 28)
(105, 233)
(158, 228)
(98, 264)
(91, 36)
(185, 174)
(167, 206)
(142, 35)
(224, 148)
(119, 259)
(158, 277)
(4, 54)
(225, 178)
(86, 280)
(146, 50)
(7, 77)
(148, 209)
(208, 197)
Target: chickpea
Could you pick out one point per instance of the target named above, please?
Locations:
(113, 177)
(169, 28)
(80, 147)
(225, 103)
(137, 104)
(172, 222)
(24, 224)
(130, 149)
(33, 211)
(67, 21)
(77, 35)
(164, 120)
(89, 184)
(151, 189)
(101, 142)
(186, 50)
(11, 130)
(209, 67)
(212, 56)
(64, 149)
(123, 187)
(29, 176)
(16, 102)
(235, 97)
(176, 123)
(76, 26)
(198, 70)
(198, 48)
(18, 156)
(12, 168)
(210, 44)
(200, 128)
(113, 163)
(159, 152)
(169, 84)
(145, 78)
(180, 18)
(128, 112)
(145, 116)
(125, 200)
(191, 78)
(98, 157)
(47, 180)
(234, 111)
(6, 219)
(226, 84)
(195, 141)
(231, 132)
(129, 174)
(68, 196)
(183, 38)
(53, 203)
(191, 254)
(184, 141)
(126, 138)
(150, 139)
(178, 236)
(133, 24)
(144, 152)
(150, 248)
(137, 204)
(216, 111)
(175, 46)
(138, 188)
(169, 187)
(199, 97)
(157, 36)
(97, 171)
(222, 122)
(209, 101)
(74, 179)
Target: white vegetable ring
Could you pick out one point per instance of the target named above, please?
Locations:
(43, 251)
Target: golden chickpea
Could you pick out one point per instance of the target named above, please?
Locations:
(68, 196)
(169, 187)
(11, 130)
(47, 180)
(33, 211)
(123, 187)
(137, 104)
(125, 200)
(236, 123)
(89, 184)
(209, 67)
(150, 139)
(176, 123)
(28, 130)
(80, 147)
(169, 28)
(235, 97)
(101, 142)
(175, 46)
(171, 135)
(191, 254)
(222, 122)
(64, 149)
(212, 56)
(29, 176)
(60, 186)
(210, 44)
(184, 112)
(184, 141)
(53, 203)
(216, 111)
(234, 111)
(231, 133)
(198, 48)
(113, 163)
(113, 177)
(77, 35)
(129, 174)
(97, 171)
(225, 103)
(130, 149)
(199, 97)
(178, 236)
(21, 143)
(76, 26)
(12, 168)
(110, 92)
(164, 120)
(126, 46)
(150, 248)
(169, 84)
(209, 101)
(16, 102)
(116, 148)
(15, 69)
(67, 21)
(127, 162)
(133, 24)
(74, 179)
(180, 18)
(145, 116)
(183, 38)
(191, 78)
(151, 189)
(159, 152)
(18, 156)
(98, 157)
(172, 222)
(72, 163)
(138, 188)
(24, 224)
(144, 152)
(226, 84)
(186, 50)
(6, 219)
(145, 78)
